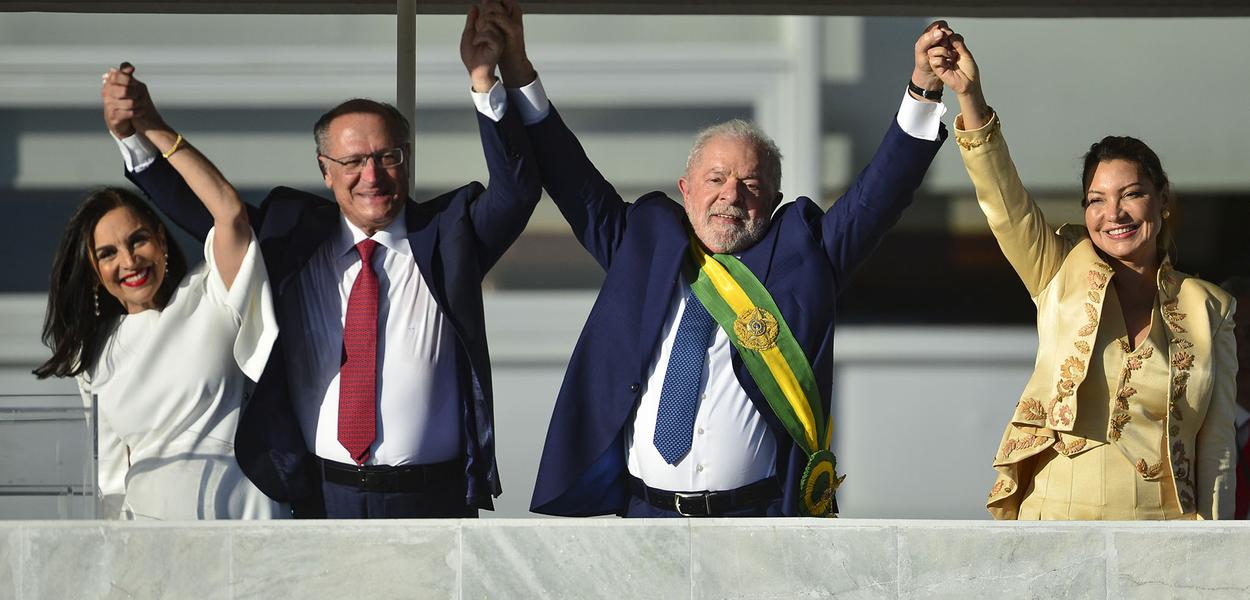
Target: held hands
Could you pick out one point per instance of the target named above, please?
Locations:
(514, 65)
(922, 74)
(481, 44)
(951, 61)
(501, 20)
(127, 105)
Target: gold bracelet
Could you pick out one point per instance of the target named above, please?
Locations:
(176, 147)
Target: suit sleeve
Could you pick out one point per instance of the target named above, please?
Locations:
(1217, 439)
(1030, 244)
(592, 207)
(173, 197)
(501, 212)
(855, 224)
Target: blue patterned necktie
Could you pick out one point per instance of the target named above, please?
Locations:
(679, 399)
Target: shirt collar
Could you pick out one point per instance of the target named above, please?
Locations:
(394, 236)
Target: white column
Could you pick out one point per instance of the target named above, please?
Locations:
(791, 111)
(406, 66)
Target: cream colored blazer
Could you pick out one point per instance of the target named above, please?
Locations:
(1068, 281)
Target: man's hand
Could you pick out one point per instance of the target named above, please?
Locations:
(123, 98)
(514, 65)
(480, 47)
(954, 64)
(935, 35)
(127, 105)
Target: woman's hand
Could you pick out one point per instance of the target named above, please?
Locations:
(953, 63)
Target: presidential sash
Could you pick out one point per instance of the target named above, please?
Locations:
(746, 311)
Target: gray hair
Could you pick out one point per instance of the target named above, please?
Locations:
(765, 149)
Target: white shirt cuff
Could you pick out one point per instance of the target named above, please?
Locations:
(137, 152)
(493, 103)
(531, 102)
(921, 120)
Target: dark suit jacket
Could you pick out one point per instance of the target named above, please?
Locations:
(456, 238)
(804, 260)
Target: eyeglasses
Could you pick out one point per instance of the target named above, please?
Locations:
(387, 159)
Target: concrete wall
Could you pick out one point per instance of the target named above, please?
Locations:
(717, 558)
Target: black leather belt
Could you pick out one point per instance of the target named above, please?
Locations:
(384, 478)
(708, 504)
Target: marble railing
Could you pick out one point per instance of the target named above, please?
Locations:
(611, 558)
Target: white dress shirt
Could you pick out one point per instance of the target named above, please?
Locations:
(415, 426)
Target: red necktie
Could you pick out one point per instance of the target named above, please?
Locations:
(358, 377)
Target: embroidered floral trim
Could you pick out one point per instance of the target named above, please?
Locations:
(1069, 449)
(1121, 398)
(968, 142)
(1081, 346)
(1148, 471)
(1072, 368)
(1173, 317)
(1012, 446)
(1118, 421)
(1097, 282)
(1182, 361)
(1120, 416)
(1000, 486)
(1091, 325)
(1031, 409)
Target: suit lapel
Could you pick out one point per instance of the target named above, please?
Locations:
(670, 256)
(421, 238)
(315, 226)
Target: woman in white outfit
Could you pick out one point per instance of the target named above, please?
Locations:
(166, 353)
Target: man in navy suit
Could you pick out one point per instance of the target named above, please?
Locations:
(408, 429)
(618, 441)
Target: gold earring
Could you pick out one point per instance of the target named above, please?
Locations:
(1167, 213)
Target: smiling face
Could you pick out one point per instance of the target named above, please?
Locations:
(129, 258)
(1123, 213)
(728, 200)
(372, 197)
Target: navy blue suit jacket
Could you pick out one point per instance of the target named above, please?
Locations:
(805, 259)
(455, 238)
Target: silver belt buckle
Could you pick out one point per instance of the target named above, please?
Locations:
(678, 497)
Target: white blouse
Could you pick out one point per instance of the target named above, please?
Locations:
(169, 386)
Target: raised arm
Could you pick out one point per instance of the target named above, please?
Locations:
(592, 207)
(856, 223)
(1030, 244)
(232, 232)
(499, 214)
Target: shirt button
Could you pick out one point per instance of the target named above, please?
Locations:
(703, 397)
(699, 468)
(634, 387)
(700, 431)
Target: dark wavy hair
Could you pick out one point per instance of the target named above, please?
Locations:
(71, 327)
(1123, 147)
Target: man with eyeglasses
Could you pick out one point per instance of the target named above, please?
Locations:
(377, 399)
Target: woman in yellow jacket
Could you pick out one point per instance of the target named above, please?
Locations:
(1129, 411)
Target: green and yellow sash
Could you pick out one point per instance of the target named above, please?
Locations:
(746, 311)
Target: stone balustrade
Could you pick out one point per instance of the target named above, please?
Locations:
(612, 558)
